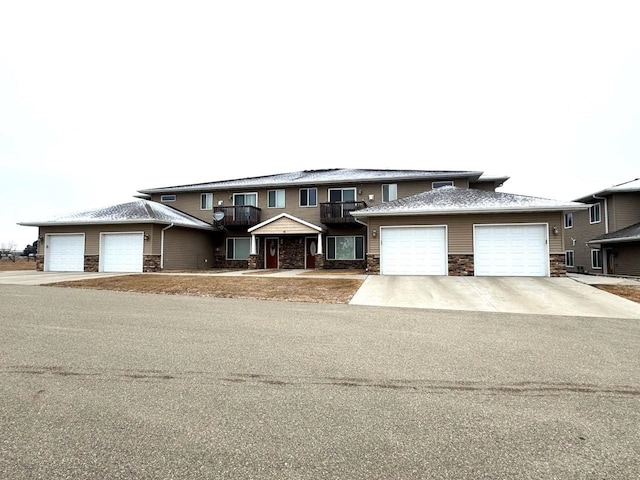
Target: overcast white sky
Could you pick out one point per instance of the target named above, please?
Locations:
(101, 99)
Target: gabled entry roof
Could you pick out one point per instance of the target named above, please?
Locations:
(140, 211)
(285, 224)
(454, 200)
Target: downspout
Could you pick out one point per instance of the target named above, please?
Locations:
(162, 246)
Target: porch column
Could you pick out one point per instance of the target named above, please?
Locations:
(254, 243)
(320, 243)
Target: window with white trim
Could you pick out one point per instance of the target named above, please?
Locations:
(242, 199)
(275, 199)
(206, 201)
(445, 183)
(238, 248)
(594, 213)
(309, 197)
(389, 192)
(596, 259)
(569, 258)
(568, 220)
(345, 248)
(167, 198)
(342, 195)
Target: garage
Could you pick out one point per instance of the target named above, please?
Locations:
(413, 250)
(511, 250)
(64, 253)
(121, 252)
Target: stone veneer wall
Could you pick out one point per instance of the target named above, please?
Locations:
(461, 265)
(91, 263)
(558, 267)
(319, 261)
(40, 263)
(151, 263)
(291, 252)
(373, 264)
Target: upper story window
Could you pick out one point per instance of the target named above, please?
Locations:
(206, 201)
(594, 213)
(445, 183)
(167, 198)
(389, 192)
(241, 199)
(275, 199)
(309, 197)
(342, 195)
(568, 220)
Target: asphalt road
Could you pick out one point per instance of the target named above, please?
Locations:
(97, 384)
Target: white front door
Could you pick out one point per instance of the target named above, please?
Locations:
(121, 252)
(413, 250)
(511, 250)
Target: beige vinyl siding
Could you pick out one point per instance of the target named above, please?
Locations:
(460, 227)
(92, 235)
(627, 260)
(624, 210)
(189, 203)
(284, 225)
(583, 231)
(188, 249)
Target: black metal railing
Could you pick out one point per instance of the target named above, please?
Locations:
(239, 216)
(339, 212)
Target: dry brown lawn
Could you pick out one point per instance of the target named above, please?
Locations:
(312, 290)
(630, 292)
(21, 263)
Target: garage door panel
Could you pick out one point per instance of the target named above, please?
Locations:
(511, 250)
(64, 253)
(413, 251)
(122, 252)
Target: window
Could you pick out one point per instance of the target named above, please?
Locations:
(238, 248)
(568, 220)
(342, 195)
(569, 259)
(446, 183)
(242, 199)
(596, 259)
(345, 248)
(275, 199)
(168, 198)
(594, 213)
(206, 201)
(308, 197)
(389, 192)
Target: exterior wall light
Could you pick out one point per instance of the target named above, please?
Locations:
(374, 233)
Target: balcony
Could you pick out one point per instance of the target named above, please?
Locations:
(339, 213)
(239, 216)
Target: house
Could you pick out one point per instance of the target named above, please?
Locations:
(605, 238)
(386, 221)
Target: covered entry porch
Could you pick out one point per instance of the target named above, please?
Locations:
(286, 242)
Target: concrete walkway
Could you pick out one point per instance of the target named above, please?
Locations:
(529, 295)
(31, 277)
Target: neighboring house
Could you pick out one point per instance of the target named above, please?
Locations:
(605, 238)
(387, 221)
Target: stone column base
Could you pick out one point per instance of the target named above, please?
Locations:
(373, 264)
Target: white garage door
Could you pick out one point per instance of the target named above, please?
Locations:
(121, 252)
(511, 250)
(413, 251)
(64, 253)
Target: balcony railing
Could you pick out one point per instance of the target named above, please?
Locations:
(239, 216)
(339, 212)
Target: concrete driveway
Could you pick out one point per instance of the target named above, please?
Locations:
(31, 277)
(552, 296)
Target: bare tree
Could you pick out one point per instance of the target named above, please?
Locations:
(7, 250)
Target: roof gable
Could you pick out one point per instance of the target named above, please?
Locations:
(285, 224)
(140, 211)
(318, 177)
(454, 200)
